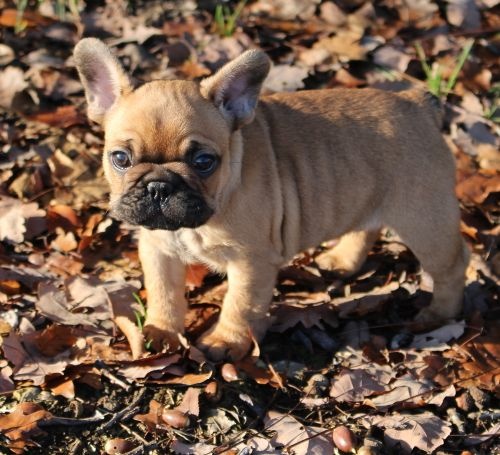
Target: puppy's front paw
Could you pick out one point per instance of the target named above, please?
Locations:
(161, 336)
(225, 342)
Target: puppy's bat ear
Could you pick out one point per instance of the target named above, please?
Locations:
(235, 88)
(102, 76)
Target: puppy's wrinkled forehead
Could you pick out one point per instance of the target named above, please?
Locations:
(160, 118)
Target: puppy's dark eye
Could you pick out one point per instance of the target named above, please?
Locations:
(121, 159)
(204, 163)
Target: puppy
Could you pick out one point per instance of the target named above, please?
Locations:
(212, 174)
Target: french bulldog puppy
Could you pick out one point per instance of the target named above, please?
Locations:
(214, 174)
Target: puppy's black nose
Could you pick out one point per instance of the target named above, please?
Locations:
(159, 191)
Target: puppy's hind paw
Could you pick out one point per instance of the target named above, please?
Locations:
(341, 266)
(219, 343)
(160, 338)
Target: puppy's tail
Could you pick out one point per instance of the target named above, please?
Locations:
(426, 101)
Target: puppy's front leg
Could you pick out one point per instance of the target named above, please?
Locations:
(165, 278)
(244, 310)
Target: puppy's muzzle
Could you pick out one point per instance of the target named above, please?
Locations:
(163, 201)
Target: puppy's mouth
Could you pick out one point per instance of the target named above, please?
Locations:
(168, 204)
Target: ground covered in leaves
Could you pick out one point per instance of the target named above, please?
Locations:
(341, 367)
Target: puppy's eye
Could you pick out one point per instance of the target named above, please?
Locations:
(204, 163)
(121, 159)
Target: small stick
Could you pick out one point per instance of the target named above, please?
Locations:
(97, 417)
(103, 369)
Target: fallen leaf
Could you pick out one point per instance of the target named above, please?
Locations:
(9, 16)
(285, 78)
(306, 440)
(199, 448)
(6, 383)
(64, 242)
(362, 303)
(139, 369)
(437, 339)
(11, 82)
(391, 57)
(424, 431)
(55, 339)
(288, 315)
(354, 386)
(474, 440)
(195, 273)
(405, 390)
(61, 117)
(14, 216)
(463, 14)
(190, 402)
(190, 379)
(286, 9)
(65, 389)
(345, 44)
(29, 364)
(21, 425)
(475, 188)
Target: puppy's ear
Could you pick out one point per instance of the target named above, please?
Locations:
(235, 88)
(102, 76)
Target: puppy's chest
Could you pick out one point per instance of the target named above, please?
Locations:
(192, 246)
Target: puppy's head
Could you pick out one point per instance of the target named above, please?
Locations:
(168, 144)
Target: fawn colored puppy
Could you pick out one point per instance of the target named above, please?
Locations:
(215, 174)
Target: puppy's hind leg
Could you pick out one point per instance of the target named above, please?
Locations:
(347, 257)
(434, 237)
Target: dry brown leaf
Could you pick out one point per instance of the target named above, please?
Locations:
(285, 78)
(8, 18)
(361, 303)
(64, 242)
(141, 368)
(6, 383)
(22, 424)
(190, 379)
(14, 217)
(404, 390)
(11, 82)
(195, 273)
(424, 431)
(306, 440)
(463, 14)
(63, 216)
(355, 385)
(65, 389)
(345, 44)
(475, 188)
(29, 364)
(61, 117)
(55, 339)
(190, 402)
(286, 9)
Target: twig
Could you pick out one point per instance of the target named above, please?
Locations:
(134, 433)
(103, 369)
(97, 417)
(125, 413)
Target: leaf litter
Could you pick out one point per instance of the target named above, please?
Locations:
(69, 320)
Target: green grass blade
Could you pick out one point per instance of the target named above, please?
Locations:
(423, 60)
(458, 67)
